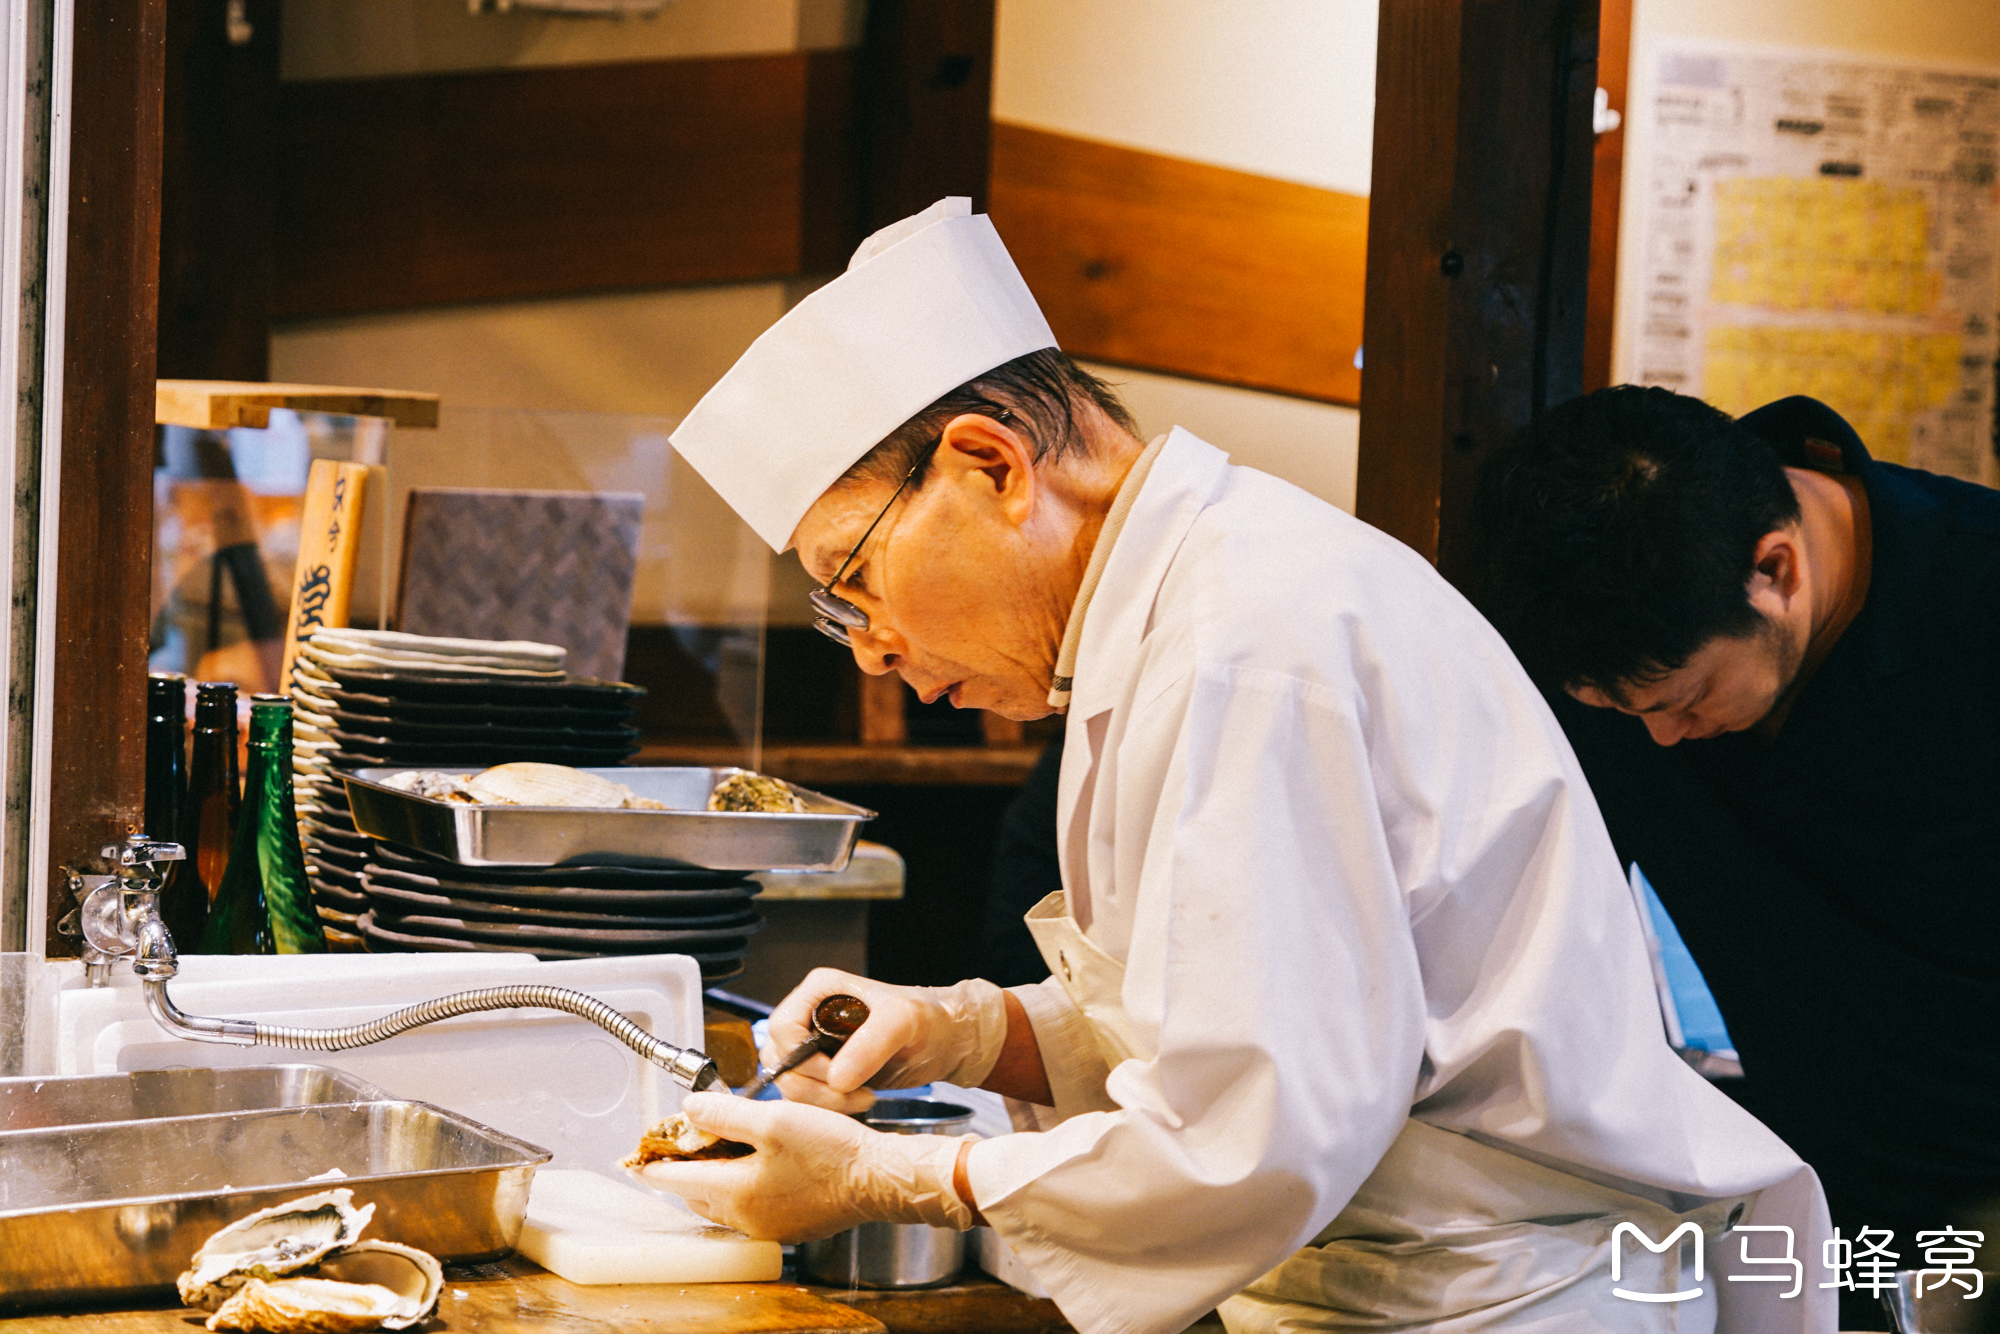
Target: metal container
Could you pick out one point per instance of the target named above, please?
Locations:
(1944, 1308)
(687, 834)
(79, 1100)
(894, 1255)
(115, 1210)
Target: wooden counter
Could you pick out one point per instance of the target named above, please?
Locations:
(516, 1296)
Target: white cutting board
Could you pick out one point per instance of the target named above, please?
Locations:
(590, 1229)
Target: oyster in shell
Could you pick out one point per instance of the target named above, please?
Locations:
(529, 784)
(272, 1243)
(430, 783)
(678, 1139)
(370, 1285)
(746, 791)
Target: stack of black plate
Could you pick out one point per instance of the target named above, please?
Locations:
(414, 902)
(336, 854)
(379, 718)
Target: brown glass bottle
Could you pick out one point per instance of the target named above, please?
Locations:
(208, 822)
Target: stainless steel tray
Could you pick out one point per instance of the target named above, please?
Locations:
(33, 1103)
(95, 1212)
(685, 835)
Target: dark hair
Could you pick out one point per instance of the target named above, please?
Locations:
(1616, 535)
(1043, 391)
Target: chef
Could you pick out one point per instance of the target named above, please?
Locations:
(1350, 1023)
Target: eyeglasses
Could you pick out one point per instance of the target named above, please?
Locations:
(837, 616)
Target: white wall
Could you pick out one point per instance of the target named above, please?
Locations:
(639, 352)
(1281, 88)
(1952, 33)
(1311, 445)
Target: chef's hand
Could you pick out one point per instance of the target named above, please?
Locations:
(914, 1035)
(815, 1172)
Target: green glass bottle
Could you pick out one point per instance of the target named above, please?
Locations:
(265, 905)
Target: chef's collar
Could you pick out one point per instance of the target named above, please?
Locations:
(1100, 556)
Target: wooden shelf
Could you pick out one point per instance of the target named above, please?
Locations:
(217, 405)
(836, 765)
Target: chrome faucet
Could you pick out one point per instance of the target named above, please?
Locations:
(118, 917)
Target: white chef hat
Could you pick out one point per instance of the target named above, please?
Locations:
(926, 304)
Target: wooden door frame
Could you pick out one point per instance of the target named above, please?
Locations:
(90, 561)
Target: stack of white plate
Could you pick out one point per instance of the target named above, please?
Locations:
(374, 697)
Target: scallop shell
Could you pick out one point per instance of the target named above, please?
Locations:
(272, 1243)
(370, 1285)
(528, 784)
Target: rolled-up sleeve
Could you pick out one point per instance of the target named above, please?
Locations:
(1075, 1068)
(1272, 977)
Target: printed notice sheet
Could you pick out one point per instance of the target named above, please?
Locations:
(1813, 225)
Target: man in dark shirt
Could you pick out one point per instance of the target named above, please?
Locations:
(1779, 663)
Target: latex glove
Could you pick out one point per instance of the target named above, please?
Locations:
(914, 1035)
(815, 1172)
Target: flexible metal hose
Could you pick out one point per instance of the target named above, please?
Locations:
(690, 1068)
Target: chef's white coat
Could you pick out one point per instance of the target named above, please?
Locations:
(1354, 876)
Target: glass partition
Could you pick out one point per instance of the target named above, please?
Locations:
(227, 512)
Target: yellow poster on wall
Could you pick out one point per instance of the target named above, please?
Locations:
(1828, 226)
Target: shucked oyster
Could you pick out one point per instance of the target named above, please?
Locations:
(271, 1243)
(746, 791)
(371, 1284)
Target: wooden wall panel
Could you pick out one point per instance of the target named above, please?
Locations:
(516, 183)
(105, 514)
(1174, 266)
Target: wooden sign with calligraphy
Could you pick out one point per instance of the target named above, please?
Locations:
(329, 543)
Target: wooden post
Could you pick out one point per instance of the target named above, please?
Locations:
(105, 526)
(924, 107)
(1607, 176)
(1478, 249)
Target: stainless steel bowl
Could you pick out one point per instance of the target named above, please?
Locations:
(1945, 1308)
(894, 1255)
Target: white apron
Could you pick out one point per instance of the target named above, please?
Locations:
(1446, 1234)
